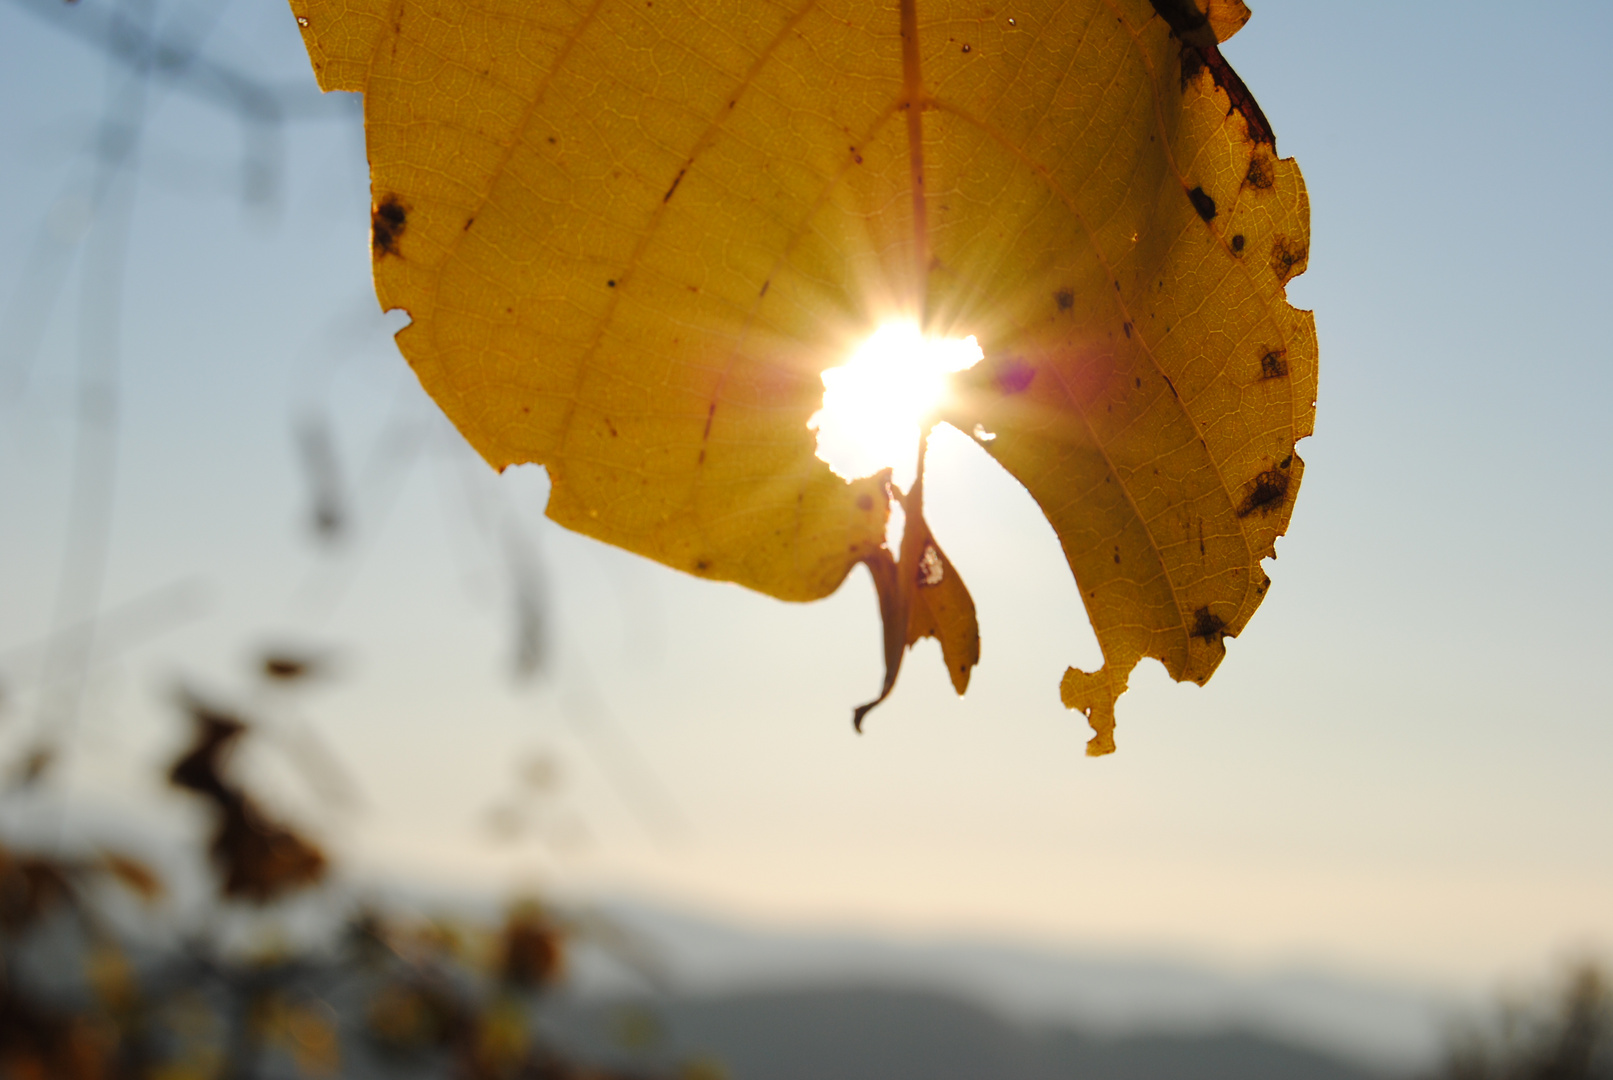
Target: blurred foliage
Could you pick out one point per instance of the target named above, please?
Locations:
(1565, 1033)
(84, 998)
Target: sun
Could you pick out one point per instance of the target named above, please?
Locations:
(876, 405)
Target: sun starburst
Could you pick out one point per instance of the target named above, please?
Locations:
(876, 405)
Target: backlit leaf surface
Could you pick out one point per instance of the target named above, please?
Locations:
(632, 234)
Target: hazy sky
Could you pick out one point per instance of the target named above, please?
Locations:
(1403, 766)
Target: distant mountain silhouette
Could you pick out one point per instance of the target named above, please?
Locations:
(879, 1034)
(1381, 1027)
(839, 1004)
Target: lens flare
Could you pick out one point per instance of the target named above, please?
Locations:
(876, 405)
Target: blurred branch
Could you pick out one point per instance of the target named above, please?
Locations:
(635, 782)
(177, 63)
(92, 487)
(329, 512)
(172, 57)
(122, 626)
(530, 603)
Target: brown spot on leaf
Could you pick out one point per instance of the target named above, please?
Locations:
(1260, 174)
(865, 502)
(1187, 22)
(701, 566)
(1065, 299)
(1203, 203)
(1239, 99)
(1267, 490)
(1237, 244)
(1192, 64)
(1200, 51)
(1274, 365)
(676, 180)
(387, 223)
(1288, 258)
(705, 436)
(1206, 625)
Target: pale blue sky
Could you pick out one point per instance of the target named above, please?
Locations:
(1402, 767)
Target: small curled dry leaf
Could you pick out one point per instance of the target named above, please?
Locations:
(259, 859)
(134, 875)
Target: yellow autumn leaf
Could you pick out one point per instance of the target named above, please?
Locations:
(633, 235)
